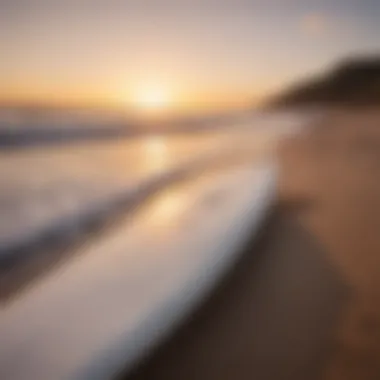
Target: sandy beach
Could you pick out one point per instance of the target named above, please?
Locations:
(338, 169)
(303, 303)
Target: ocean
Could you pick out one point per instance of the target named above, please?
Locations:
(62, 170)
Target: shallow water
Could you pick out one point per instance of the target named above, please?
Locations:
(48, 186)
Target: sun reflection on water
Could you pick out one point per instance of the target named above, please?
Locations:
(156, 154)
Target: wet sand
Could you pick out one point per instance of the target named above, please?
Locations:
(304, 300)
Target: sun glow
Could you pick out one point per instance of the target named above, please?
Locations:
(152, 99)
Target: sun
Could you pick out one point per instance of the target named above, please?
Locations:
(152, 98)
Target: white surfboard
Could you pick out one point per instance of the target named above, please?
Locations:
(106, 308)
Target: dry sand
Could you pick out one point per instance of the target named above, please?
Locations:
(338, 166)
(304, 302)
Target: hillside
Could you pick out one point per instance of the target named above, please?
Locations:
(353, 82)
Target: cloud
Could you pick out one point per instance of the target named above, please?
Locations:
(314, 24)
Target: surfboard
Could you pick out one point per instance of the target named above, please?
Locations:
(127, 291)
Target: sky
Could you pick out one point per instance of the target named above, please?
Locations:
(191, 54)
